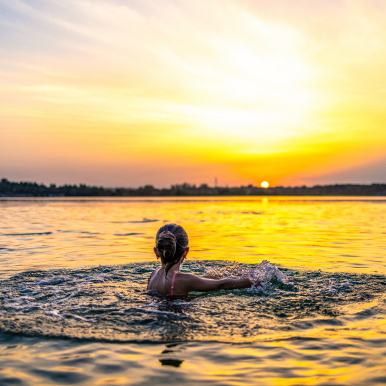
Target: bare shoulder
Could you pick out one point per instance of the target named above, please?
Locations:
(189, 282)
(191, 278)
(188, 276)
(188, 279)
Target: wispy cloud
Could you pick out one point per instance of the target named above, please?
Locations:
(249, 78)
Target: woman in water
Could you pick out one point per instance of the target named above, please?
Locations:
(172, 248)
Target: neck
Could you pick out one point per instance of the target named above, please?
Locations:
(173, 268)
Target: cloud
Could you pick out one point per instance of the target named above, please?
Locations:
(246, 78)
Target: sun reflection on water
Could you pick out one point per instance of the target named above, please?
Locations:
(322, 234)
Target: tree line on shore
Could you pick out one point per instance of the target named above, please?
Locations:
(32, 189)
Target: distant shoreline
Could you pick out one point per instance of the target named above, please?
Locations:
(31, 189)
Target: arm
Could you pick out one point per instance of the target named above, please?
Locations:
(256, 284)
(195, 283)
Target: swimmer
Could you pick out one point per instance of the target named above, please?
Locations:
(172, 248)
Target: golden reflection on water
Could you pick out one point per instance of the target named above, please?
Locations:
(322, 359)
(327, 234)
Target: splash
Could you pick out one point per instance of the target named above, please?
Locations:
(110, 303)
(261, 275)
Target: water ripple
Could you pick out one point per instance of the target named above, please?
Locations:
(109, 303)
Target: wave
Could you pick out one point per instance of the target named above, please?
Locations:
(128, 234)
(109, 303)
(26, 234)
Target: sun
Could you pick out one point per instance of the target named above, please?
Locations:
(264, 184)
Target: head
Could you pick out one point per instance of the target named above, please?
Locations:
(171, 245)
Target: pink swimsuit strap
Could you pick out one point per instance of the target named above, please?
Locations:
(172, 287)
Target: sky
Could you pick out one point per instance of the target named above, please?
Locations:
(126, 93)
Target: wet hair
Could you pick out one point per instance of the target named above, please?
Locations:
(171, 242)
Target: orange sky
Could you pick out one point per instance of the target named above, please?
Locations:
(127, 93)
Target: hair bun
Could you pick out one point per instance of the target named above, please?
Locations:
(167, 245)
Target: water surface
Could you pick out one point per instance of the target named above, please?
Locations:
(73, 309)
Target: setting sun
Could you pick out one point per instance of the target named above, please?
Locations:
(264, 184)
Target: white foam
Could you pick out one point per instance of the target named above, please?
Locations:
(54, 314)
(77, 317)
(265, 272)
(54, 280)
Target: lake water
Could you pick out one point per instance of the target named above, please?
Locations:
(74, 310)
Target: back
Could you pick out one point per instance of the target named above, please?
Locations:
(161, 284)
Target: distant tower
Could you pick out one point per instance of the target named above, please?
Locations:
(215, 182)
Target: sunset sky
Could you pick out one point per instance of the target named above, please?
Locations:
(128, 93)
